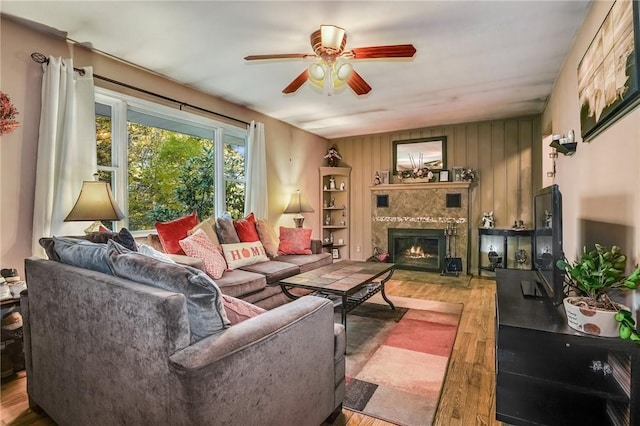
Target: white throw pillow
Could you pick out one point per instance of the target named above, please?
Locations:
(243, 254)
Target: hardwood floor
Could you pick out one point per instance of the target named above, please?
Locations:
(468, 396)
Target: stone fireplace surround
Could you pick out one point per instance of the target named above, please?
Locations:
(422, 206)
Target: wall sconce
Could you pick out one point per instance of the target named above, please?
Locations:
(565, 146)
(298, 204)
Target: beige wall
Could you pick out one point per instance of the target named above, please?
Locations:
(503, 152)
(289, 150)
(600, 183)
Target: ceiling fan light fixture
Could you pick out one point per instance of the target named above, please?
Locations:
(343, 71)
(316, 72)
(332, 36)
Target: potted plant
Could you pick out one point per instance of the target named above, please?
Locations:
(593, 277)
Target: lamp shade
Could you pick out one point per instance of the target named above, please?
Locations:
(298, 204)
(96, 203)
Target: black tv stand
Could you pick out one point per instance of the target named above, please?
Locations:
(550, 374)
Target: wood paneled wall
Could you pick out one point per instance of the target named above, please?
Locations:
(504, 154)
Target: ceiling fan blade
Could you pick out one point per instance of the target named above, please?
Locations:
(297, 82)
(392, 51)
(278, 56)
(358, 84)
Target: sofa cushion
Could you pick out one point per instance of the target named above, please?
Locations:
(246, 229)
(209, 227)
(200, 246)
(147, 250)
(225, 230)
(243, 254)
(307, 262)
(238, 310)
(123, 237)
(173, 231)
(204, 300)
(273, 271)
(268, 237)
(239, 283)
(82, 253)
(294, 241)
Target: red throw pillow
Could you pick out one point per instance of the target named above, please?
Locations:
(294, 241)
(172, 232)
(246, 229)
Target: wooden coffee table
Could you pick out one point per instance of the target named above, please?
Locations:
(348, 283)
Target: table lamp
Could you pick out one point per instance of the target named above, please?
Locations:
(96, 203)
(297, 205)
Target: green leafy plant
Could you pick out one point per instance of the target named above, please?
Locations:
(598, 272)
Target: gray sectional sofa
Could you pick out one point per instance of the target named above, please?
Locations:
(105, 350)
(258, 283)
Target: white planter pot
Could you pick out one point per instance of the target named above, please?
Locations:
(591, 321)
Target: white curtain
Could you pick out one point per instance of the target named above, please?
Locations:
(66, 148)
(256, 199)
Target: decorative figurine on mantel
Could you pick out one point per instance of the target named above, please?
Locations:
(487, 220)
(376, 179)
(333, 157)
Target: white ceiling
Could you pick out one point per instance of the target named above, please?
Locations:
(475, 60)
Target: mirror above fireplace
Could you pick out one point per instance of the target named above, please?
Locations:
(420, 153)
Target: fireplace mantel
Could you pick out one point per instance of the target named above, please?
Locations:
(426, 185)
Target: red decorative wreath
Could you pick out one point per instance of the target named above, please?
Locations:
(8, 114)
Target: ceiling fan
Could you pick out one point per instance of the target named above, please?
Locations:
(333, 68)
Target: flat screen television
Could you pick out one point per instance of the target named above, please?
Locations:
(547, 242)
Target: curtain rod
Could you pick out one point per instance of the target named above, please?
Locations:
(41, 59)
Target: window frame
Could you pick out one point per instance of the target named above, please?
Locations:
(121, 103)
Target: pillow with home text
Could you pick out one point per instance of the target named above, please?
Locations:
(243, 254)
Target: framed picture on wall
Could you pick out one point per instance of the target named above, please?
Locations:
(609, 72)
(384, 176)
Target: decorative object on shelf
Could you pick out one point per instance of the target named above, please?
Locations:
(95, 203)
(343, 223)
(333, 157)
(456, 172)
(487, 220)
(332, 183)
(327, 240)
(340, 241)
(384, 177)
(518, 224)
(327, 219)
(547, 219)
(521, 256)
(342, 186)
(298, 204)
(325, 204)
(606, 96)
(494, 258)
(335, 253)
(444, 176)
(8, 113)
(376, 179)
(468, 175)
(332, 202)
(593, 277)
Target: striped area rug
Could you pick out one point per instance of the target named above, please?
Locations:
(397, 359)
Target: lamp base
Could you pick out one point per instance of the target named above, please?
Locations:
(298, 221)
(94, 227)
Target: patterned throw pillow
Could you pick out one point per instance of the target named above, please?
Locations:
(243, 254)
(268, 237)
(209, 228)
(238, 310)
(246, 229)
(172, 232)
(200, 246)
(295, 241)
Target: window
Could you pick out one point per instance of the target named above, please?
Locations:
(163, 163)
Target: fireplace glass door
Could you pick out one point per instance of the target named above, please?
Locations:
(417, 249)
